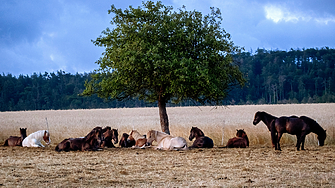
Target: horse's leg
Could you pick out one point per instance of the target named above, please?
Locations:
(298, 141)
(278, 140)
(274, 136)
(303, 142)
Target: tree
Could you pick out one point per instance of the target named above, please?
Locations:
(160, 55)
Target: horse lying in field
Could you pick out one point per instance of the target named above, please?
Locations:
(140, 140)
(91, 142)
(109, 135)
(34, 139)
(125, 142)
(240, 141)
(16, 140)
(166, 141)
(201, 141)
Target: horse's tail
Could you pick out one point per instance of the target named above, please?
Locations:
(6, 143)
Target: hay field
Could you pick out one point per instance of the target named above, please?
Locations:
(219, 123)
(218, 167)
(256, 166)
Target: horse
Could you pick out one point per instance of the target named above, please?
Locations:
(201, 141)
(125, 142)
(91, 142)
(109, 135)
(16, 140)
(166, 141)
(243, 134)
(34, 139)
(140, 140)
(299, 126)
(240, 141)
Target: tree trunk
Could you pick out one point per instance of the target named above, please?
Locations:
(163, 115)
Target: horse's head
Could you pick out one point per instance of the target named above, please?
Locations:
(123, 140)
(151, 136)
(23, 132)
(257, 118)
(130, 136)
(195, 133)
(322, 137)
(240, 133)
(316, 128)
(115, 136)
(46, 137)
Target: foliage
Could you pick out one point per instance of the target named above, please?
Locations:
(294, 76)
(274, 77)
(155, 52)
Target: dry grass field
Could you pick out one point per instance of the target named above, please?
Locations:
(256, 166)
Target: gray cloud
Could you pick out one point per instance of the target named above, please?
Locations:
(38, 36)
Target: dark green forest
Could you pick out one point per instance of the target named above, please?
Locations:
(274, 77)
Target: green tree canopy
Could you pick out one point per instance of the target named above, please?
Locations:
(162, 55)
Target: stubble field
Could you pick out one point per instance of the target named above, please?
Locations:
(256, 166)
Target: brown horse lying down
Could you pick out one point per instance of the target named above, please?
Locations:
(240, 141)
(109, 135)
(201, 141)
(140, 140)
(243, 134)
(125, 142)
(16, 140)
(91, 142)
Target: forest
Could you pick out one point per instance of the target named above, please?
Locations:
(274, 77)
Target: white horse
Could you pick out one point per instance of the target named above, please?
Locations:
(34, 139)
(166, 141)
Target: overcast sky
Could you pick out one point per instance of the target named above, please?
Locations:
(46, 36)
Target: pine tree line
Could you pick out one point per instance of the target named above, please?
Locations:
(274, 77)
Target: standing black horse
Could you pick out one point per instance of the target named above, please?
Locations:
(300, 127)
(201, 141)
(265, 117)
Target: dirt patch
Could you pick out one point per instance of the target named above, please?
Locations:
(116, 167)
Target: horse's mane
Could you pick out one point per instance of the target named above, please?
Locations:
(136, 135)
(92, 134)
(106, 128)
(198, 131)
(267, 114)
(311, 122)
